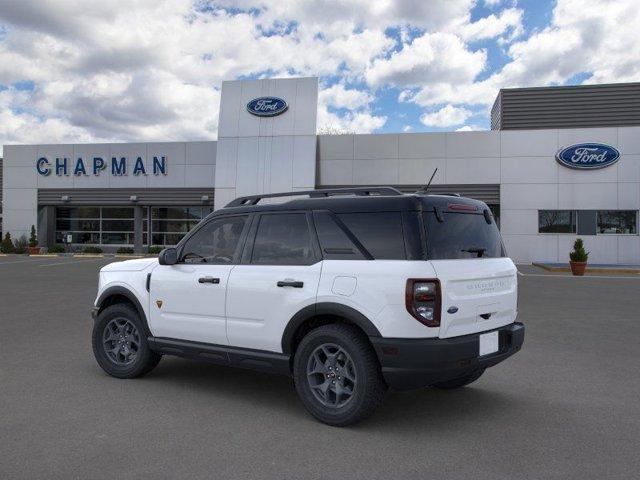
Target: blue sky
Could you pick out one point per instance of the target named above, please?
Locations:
(77, 71)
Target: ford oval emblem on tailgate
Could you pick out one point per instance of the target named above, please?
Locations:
(452, 310)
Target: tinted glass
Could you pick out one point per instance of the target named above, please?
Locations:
(462, 235)
(217, 242)
(618, 221)
(380, 233)
(283, 239)
(556, 221)
(334, 242)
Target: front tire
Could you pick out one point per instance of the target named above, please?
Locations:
(120, 344)
(337, 375)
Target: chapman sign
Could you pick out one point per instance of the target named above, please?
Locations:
(118, 166)
(588, 156)
(267, 106)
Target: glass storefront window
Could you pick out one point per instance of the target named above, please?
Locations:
(556, 221)
(618, 222)
(115, 225)
(95, 225)
(170, 224)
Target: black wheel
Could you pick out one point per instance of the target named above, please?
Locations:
(337, 375)
(460, 381)
(120, 345)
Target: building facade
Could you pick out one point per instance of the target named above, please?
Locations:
(546, 185)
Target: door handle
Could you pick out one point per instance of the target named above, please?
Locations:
(290, 283)
(215, 281)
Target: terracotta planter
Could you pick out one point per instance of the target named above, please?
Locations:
(33, 250)
(578, 268)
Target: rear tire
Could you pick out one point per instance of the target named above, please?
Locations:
(337, 375)
(120, 344)
(460, 381)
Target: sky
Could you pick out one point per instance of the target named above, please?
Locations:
(77, 71)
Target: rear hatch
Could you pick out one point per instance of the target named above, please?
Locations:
(478, 282)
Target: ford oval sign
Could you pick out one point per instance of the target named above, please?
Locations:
(267, 106)
(588, 156)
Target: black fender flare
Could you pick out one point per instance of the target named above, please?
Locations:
(326, 308)
(125, 292)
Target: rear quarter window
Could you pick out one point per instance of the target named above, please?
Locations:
(462, 235)
(379, 232)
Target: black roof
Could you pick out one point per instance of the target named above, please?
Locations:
(389, 200)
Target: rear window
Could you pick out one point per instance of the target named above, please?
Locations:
(462, 235)
(379, 232)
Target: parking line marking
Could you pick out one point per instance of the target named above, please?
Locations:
(20, 261)
(71, 262)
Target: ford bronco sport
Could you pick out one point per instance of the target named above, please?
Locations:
(349, 291)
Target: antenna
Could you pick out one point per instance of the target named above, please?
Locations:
(426, 187)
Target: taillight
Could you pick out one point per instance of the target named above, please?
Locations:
(423, 301)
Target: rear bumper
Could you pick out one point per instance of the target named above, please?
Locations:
(413, 363)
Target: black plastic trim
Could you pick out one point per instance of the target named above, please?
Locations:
(325, 308)
(409, 363)
(117, 290)
(261, 360)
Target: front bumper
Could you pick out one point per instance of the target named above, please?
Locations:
(414, 363)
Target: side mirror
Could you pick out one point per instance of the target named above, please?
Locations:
(168, 256)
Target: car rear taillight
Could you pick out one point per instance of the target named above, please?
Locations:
(423, 300)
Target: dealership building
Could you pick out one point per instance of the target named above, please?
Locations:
(559, 162)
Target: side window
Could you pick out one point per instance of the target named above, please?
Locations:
(217, 242)
(283, 239)
(379, 232)
(335, 244)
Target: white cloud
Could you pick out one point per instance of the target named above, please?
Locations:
(340, 97)
(407, 128)
(469, 128)
(151, 70)
(447, 116)
(509, 22)
(432, 57)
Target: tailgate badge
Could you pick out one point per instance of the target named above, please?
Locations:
(452, 310)
(159, 303)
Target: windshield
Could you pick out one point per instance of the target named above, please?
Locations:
(462, 235)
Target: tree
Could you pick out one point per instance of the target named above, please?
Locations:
(7, 244)
(33, 237)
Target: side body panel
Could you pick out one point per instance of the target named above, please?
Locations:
(376, 288)
(258, 310)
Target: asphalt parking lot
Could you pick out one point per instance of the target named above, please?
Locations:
(566, 406)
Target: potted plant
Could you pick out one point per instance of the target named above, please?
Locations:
(33, 249)
(578, 258)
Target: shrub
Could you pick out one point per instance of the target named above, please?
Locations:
(579, 254)
(33, 238)
(125, 250)
(7, 244)
(91, 249)
(20, 245)
(57, 248)
(155, 249)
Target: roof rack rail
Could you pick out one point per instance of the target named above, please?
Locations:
(358, 191)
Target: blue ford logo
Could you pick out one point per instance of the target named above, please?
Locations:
(588, 156)
(267, 106)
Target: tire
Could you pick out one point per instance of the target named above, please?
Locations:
(360, 378)
(126, 330)
(460, 381)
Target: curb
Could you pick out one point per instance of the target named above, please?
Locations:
(589, 269)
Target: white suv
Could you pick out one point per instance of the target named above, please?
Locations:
(349, 291)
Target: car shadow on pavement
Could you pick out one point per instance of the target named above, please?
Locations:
(402, 411)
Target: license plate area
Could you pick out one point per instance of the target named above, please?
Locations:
(489, 343)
